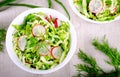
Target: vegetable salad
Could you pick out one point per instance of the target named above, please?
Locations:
(42, 41)
(98, 10)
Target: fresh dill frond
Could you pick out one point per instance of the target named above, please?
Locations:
(86, 58)
(2, 38)
(111, 52)
(91, 68)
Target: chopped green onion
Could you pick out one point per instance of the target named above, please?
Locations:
(27, 5)
(5, 2)
(49, 3)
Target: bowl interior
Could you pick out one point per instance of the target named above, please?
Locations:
(87, 19)
(18, 20)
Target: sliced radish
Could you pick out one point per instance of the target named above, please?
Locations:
(96, 6)
(22, 42)
(113, 10)
(38, 30)
(56, 52)
(44, 50)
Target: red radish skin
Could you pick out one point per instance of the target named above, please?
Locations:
(27, 62)
(47, 19)
(51, 53)
(92, 4)
(51, 17)
(56, 22)
(38, 26)
(52, 50)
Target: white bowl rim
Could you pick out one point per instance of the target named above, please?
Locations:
(87, 19)
(14, 57)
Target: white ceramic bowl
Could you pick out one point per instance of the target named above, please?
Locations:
(18, 20)
(87, 19)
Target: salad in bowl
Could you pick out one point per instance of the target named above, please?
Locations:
(39, 41)
(97, 11)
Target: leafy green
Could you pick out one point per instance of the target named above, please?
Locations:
(30, 18)
(31, 42)
(84, 6)
(78, 5)
(108, 2)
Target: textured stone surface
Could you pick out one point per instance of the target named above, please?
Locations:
(85, 33)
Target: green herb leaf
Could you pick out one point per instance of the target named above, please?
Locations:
(111, 52)
(90, 66)
(91, 69)
(86, 58)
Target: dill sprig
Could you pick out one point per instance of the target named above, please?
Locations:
(2, 38)
(111, 52)
(91, 68)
